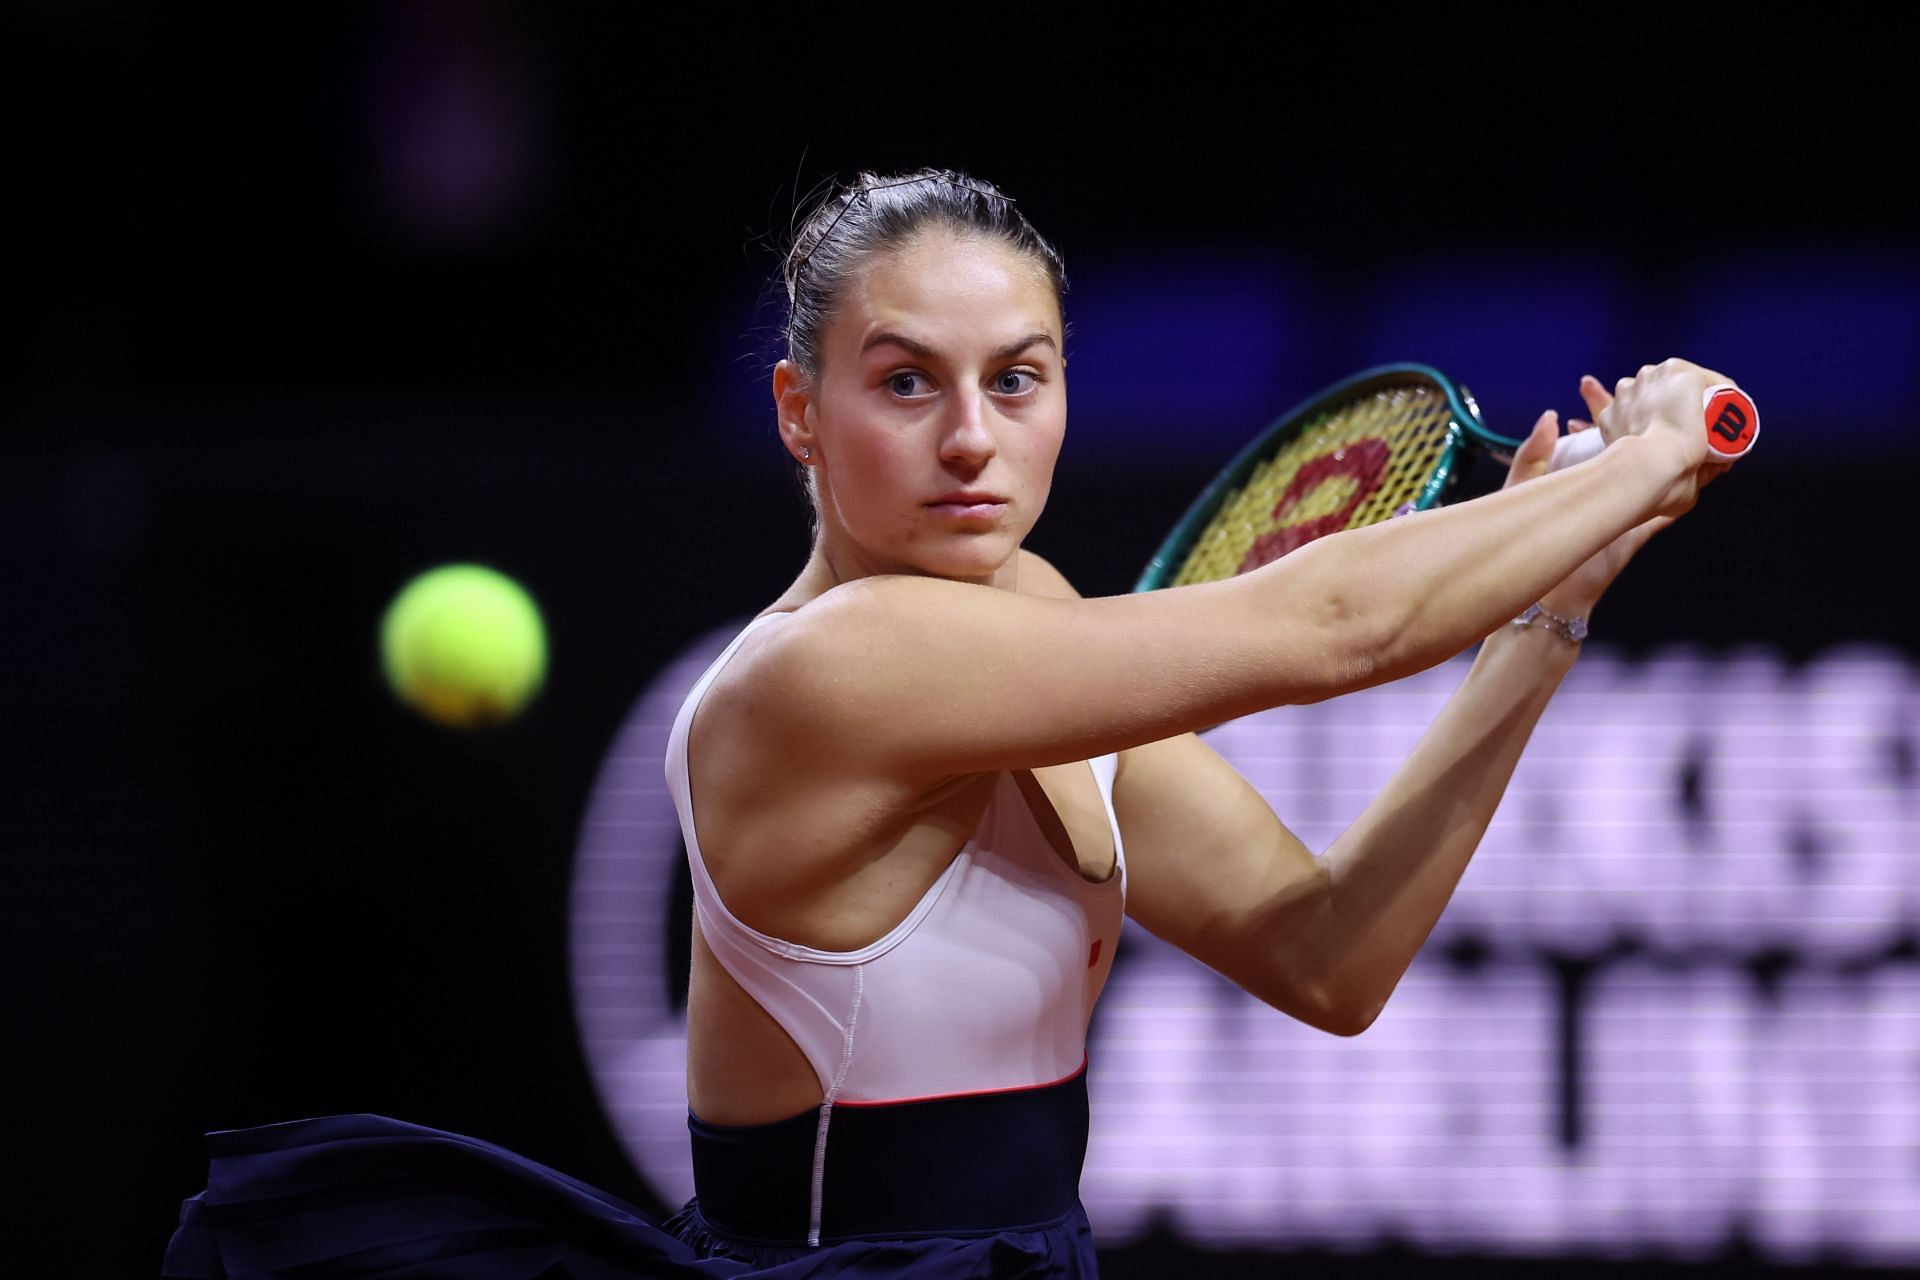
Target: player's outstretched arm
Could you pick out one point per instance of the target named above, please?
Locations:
(923, 678)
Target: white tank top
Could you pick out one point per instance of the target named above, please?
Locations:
(986, 985)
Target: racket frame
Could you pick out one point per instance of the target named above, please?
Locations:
(1465, 431)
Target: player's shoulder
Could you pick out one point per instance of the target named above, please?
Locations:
(866, 624)
(846, 628)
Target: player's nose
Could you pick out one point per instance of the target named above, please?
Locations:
(968, 438)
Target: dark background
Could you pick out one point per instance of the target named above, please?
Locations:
(269, 352)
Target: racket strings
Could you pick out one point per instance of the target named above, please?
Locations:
(1351, 465)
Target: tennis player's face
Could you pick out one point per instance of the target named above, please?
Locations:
(940, 408)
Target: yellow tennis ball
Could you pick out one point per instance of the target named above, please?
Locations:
(464, 645)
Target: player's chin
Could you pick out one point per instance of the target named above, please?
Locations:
(976, 555)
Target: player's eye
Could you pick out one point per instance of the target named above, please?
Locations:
(1016, 382)
(906, 385)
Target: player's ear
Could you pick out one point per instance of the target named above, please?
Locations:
(793, 406)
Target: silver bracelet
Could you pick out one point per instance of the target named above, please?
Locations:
(1572, 630)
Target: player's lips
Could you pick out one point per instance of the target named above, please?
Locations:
(968, 504)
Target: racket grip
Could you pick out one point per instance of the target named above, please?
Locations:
(1732, 424)
(1577, 447)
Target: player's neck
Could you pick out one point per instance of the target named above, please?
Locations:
(837, 560)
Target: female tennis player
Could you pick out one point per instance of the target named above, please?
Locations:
(919, 790)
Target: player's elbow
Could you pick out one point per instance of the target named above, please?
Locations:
(1322, 1009)
(1347, 1008)
(1348, 1020)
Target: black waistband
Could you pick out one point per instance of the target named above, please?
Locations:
(947, 1166)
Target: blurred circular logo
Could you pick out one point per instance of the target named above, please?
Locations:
(630, 933)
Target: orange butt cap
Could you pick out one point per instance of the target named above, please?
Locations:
(1732, 421)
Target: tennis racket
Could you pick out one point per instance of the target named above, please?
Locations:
(1387, 441)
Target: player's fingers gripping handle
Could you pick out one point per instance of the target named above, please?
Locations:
(1732, 424)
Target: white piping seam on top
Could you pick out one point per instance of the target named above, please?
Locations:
(826, 1111)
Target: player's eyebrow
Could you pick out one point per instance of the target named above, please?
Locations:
(924, 352)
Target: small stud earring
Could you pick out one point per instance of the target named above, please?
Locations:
(806, 454)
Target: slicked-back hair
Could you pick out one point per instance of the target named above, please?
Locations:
(875, 213)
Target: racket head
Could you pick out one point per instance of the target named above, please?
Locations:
(1390, 438)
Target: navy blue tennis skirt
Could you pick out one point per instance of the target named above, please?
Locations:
(976, 1186)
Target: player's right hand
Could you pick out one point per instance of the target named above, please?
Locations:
(1665, 403)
